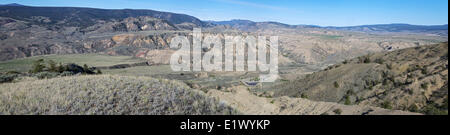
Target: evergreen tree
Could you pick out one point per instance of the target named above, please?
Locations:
(52, 66)
(61, 68)
(86, 68)
(38, 66)
(99, 71)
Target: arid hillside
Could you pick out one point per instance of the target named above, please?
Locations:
(31, 31)
(107, 95)
(242, 99)
(413, 79)
(68, 60)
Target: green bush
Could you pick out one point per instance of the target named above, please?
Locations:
(386, 105)
(413, 68)
(345, 62)
(336, 84)
(364, 59)
(432, 109)
(6, 78)
(424, 71)
(13, 72)
(347, 100)
(52, 66)
(99, 71)
(367, 59)
(413, 108)
(66, 73)
(389, 66)
(38, 66)
(61, 68)
(304, 96)
(424, 86)
(40, 71)
(338, 111)
(445, 104)
(351, 92)
(379, 61)
(46, 75)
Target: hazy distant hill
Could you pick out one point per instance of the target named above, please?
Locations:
(84, 17)
(405, 28)
(12, 5)
(247, 25)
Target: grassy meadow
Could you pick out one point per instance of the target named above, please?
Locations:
(96, 60)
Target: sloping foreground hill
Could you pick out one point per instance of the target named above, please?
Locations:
(110, 95)
(247, 103)
(413, 79)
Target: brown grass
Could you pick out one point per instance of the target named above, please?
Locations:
(106, 95)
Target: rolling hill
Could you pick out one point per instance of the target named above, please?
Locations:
(413, 79)
(84, 17)
(106, 95)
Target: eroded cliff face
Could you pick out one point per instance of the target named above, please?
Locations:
(20, 39)
(132, 24)
(131, 36)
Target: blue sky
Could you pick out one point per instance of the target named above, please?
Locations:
(315, 12)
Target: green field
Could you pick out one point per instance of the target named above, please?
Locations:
(96, 60)
(213, 79)
(149, 71)
(330, 37)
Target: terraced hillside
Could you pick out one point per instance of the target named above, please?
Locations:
(105, 94)
(413, 79)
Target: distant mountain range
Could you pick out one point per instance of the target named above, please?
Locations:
(85, 17)
(30, 31)
(12, 5)
(407, 28)
(247, 25)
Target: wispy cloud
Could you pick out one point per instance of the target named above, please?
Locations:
(252, 4)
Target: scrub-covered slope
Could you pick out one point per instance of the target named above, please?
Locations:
(110, 95)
